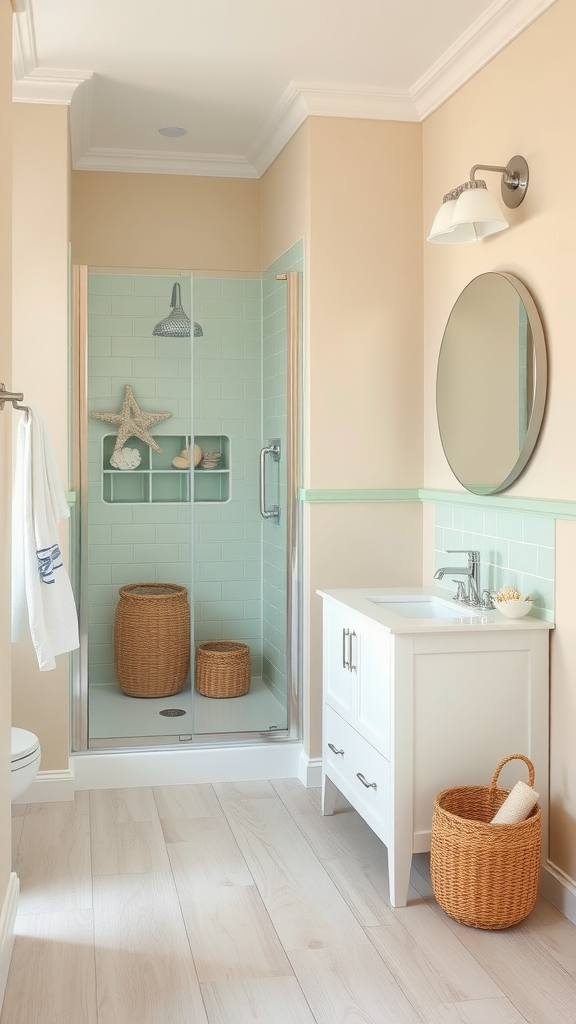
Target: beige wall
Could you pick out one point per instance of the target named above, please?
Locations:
(165, 221)
(354, 188)
(40, 701)
(524, 102)
(5, 430)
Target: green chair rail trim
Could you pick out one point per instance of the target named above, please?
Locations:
(533, 506)
(360, 495)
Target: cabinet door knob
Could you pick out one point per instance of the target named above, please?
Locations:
(369, 785)
(335, 749)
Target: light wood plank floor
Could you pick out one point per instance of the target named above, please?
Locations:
(241, 904)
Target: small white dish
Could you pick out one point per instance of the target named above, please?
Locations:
(515, 609)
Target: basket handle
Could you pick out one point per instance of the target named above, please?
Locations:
(512, 757)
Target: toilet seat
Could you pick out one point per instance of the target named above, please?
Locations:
(25, 747)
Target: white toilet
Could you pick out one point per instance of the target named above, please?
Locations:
(25, 761)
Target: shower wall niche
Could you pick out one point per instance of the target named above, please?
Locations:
(157, 522)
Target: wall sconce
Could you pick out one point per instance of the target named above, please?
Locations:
(470, 212)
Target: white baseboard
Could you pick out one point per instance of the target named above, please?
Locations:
(7, 920)
(108, 770)
(310, 771)
(49, 787)
(559, 889)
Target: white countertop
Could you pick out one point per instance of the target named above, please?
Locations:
(463, 619)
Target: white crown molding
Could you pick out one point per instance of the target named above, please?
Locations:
(494, 30)
(487, 36)
(308, 99)
(152, 161)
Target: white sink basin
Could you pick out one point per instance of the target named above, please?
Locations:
(420, 606)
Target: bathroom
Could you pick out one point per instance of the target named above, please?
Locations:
(375, 481)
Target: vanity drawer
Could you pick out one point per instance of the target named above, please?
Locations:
(358, 770)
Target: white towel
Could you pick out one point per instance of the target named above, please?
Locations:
(517, 805)
(42, 595)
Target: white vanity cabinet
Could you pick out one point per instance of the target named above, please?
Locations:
(414, 706)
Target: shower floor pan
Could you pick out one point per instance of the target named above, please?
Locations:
(114, 715)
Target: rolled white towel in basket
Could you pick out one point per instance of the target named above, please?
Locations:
(517, 805)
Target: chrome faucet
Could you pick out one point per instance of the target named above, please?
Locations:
(472, 574)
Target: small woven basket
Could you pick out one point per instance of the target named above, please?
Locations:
(152, 639)
(484, 875)
(223, 668)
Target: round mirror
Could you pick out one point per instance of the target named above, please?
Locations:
(491, 383)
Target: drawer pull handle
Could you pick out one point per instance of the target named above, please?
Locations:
(346, 649)
(369, 785)
(335, 749)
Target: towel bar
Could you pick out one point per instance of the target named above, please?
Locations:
(11, 396)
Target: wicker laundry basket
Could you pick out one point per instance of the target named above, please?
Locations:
(223, 668)
(152, 639)
(484, 875)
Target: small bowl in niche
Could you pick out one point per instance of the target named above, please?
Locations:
(514, 609)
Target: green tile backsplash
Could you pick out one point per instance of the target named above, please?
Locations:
(515, 548)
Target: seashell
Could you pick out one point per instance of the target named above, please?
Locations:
(210, 460)
(125, 458)
(197, 454)
(180, 463)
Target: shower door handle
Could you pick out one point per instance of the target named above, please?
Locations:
(272, 449)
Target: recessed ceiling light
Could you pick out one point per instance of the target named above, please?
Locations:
(172, 131)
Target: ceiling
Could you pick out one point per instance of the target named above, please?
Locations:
(242, 75)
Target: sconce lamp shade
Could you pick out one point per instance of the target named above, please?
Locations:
(469, 218)
(478, 212)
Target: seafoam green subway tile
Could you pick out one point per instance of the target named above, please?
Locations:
(98, 654)
(100, 387)
(100, 347)
(232, 389)
(99, 513)
(208, 552)
(208, 592)
(221, 610)
(235, 550)
(153, 284)
(155, 514)
(156, 553)
(207, 288)
(233, 288)
(102, 555)
(101, 633)
(99, 574)
(122, 284)
(523, 557)
(109, 366)
(546, 563)
(238, 629)
(176, 572)
(122, 347)
(100, 675)
(539, 530)
(185, 553)
(111, 326)
(252, 310)
(252, 290)
(101, 535)
(173, 387)
(143, 388)
(124, 573)
(133, 534)
(212, 327)
(171, 534)
(133, 305)
(144, 367)
(241, 590)
(99, 305)
(210, 630)
(98, 284)
(210, 571)
(143, 326)
(222, 531)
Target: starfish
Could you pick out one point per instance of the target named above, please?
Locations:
(132, 422)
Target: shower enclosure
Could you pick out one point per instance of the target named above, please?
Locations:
(202, 494)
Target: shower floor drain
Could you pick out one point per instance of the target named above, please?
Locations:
(172, 712)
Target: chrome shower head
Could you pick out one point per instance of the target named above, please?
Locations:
(177, 323)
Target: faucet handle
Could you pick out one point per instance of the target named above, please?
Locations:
(474, 556)
(460, 594)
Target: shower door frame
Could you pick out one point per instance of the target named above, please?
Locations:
(79, 718)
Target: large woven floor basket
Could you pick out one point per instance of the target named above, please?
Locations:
(152, 639)
(223, 668)
(484, 875)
